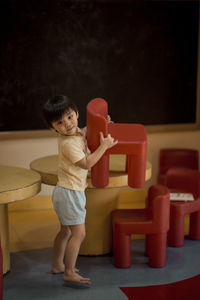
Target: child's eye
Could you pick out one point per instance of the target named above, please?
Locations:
(70, 117)
(59, 122)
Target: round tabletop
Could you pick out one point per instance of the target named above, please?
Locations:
(18, 183)
(47, 167)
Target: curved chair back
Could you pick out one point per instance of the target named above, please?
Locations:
(97, 111)
(158, 205)
(184, 158)
(183, 180)
(176, 158)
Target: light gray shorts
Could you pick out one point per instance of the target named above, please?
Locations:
(69, 205)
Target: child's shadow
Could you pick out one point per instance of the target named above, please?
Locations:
(76, 285)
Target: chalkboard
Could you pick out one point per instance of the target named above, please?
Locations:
(141, 56)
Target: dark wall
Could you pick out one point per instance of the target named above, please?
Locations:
(140, 56)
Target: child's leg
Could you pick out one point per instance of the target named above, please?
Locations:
(60, 243)
(72, 250)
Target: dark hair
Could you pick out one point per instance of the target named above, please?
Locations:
(55, 107)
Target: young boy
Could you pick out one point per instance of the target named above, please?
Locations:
(68, 197)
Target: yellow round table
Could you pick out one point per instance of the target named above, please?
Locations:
(100, 201)
(15, 184)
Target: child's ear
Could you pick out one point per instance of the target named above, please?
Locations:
(77, 114)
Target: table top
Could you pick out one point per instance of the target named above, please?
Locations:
(47, 167)
(18, 183)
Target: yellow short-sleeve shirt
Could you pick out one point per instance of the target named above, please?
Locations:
(72, 149)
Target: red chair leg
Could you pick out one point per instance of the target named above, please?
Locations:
(100, 172)
(176, 229)
(122, 250)
(194, 232)
(136, 170)
(157, 250)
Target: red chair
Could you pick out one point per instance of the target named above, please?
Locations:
(176, 157)
(185, 181)
(131, 141)
(152, 221)
(1, 274)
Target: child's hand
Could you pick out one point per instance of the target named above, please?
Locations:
(108, 141)
(109, 119)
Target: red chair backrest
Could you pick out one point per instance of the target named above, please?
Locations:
(184, 158)
(158, 205)
(184, 180)
(97, 111)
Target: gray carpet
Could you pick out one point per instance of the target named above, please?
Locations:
(30, 276)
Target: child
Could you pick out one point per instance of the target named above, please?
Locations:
(68, 197)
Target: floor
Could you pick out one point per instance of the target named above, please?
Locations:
(30, 278)
(33, 226)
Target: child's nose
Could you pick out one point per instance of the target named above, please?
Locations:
(66, 122)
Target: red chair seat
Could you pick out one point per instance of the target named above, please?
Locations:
(186, 207)
(131, 138)
(130, 221)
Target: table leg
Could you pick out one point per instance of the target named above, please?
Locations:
(4, 233)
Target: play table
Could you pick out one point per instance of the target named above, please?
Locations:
(100, 201)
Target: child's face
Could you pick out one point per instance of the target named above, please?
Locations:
(68, 123)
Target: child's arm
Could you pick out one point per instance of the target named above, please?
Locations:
(89, 161)
(84, 131)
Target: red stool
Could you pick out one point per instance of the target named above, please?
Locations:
(1, 274)
(152, 221)
(185, 181)
(132, 141)
(176, 157)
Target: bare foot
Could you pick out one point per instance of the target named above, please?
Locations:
(74, 277)
(61, 269)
